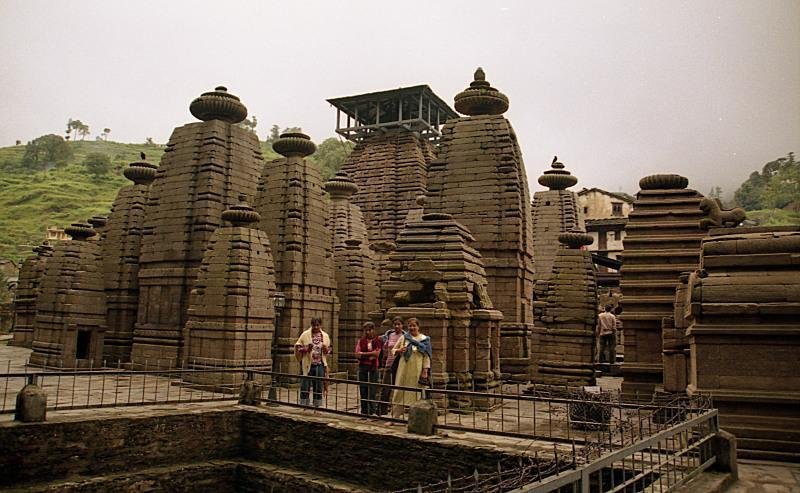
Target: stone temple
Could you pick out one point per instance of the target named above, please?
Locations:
(205, 167)
(394, 133)
(216, 259)
(30, 277)
(295, 216)
(479, 178)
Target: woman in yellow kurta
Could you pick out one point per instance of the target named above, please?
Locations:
(414, 352)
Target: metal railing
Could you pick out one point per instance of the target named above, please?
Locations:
(659, 463)
(600, 442)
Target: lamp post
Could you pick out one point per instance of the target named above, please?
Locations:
(278, 302)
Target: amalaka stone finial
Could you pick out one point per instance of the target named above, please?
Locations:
(341, 185)
(97, 222)
(218, 104)
(294, 144)
(241, 214)
(421, 200)
(140, 172)
(575, 239)
(80, 231)
(557, 178)
(480, 98)
(664, 182)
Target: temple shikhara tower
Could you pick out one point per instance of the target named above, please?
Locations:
(356, 271)
(555, 211)
(120, 256)
(566, 312)
(479, 178)
(231, 313)
(437, 276)
(294, 215)
(71, 306)
(662, 240)
(30, 277)
(204, 167)
(393, 131)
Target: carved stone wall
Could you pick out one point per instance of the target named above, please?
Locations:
(390, 171)
(744, 334)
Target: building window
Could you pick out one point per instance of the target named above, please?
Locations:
(616, 208)
(586, 210)
(617, 235)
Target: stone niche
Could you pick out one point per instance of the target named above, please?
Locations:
(555, 211)
(479, 178)
(566, 317)
(437, 276)
(205, 166)
(26, 294)
(295, 215)
(744, 335)
(120, 256)
(71, 306)
(662, 240)
(231, 314)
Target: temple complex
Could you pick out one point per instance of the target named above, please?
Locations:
(744, 334)
(555, 211)
(231, 313)
(393, 132)
(71, 306)
(662, 240)
(566, 316)
(479, 178)
(356, 271)
(437, 276)
(120, 251)
(30, 278)
(205, 166)
(295, 216)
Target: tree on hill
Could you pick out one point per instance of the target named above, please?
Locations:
(77, 127)
(331, 154)
(249, 123)
(776, 186)
(97, 164)
(45, 151)
(105, 133)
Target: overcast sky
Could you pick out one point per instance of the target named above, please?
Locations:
(618, 89)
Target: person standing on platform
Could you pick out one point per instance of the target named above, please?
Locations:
(311, 349)
(368, 350)
(606, 334)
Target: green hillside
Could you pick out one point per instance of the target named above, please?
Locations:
(31, 201)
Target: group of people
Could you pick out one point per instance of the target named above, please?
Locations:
(401, 357)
